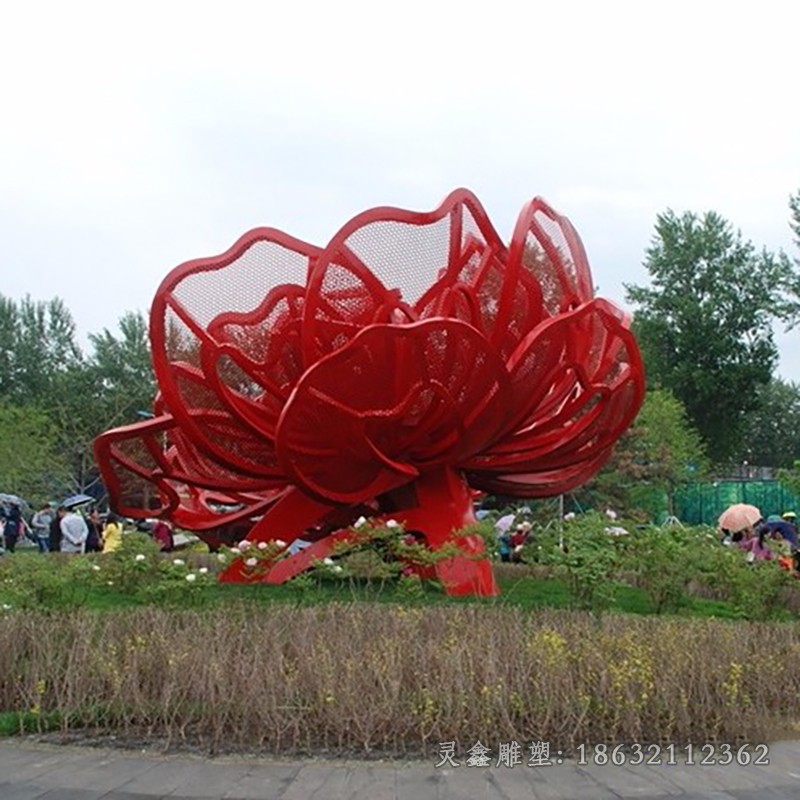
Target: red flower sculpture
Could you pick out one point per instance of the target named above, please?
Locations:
(414, 357)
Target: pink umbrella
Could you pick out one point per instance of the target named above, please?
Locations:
(739, 516)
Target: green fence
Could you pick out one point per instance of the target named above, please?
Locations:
(702, 503)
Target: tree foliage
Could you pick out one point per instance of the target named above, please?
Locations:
(122, 370)
(47, 380)
(31, 465)
(772, 430)
(660, 450)
(705, 322)
(37, 346)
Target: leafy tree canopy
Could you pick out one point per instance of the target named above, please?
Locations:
(31, 464)
(43, 371)
(772, 430)
(705, 322)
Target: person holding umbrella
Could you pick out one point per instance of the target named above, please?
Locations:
(74, 530)
(13, 520)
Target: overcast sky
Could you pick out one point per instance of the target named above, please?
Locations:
(135, 136)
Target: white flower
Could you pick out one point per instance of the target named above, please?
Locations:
(6, 607)
(392, 523)
(203, 570)
(251, 562)
(360, 522)
(262, 545)
(110, 583)
(236, 551)
(569, 517)
(244, 544)
(337, 568)
(95, 568)
(222, 557)
(140, 557)
(280, 543)
(611, 514)
(178, 562)
(328, 562)
(191, 577)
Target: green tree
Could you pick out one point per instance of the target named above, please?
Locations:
(31, 464)
(43, 370)
(122, 370)
(37, 345)
(104, 391)
(772, 430)
(658, 452)
(705, 322)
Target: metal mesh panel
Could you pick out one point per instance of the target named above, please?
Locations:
(181, 344)
(403, 256)
(546, 272)
(242, 285)
(136, 491)
(567, 271)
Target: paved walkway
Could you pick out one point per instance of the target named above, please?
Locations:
(34, 771)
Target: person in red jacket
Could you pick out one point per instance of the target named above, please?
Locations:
(162, 535)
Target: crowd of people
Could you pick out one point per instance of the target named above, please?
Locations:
(775, 538)
(56, 528)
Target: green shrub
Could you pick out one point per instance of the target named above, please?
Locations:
(34, 581)
(668, 561)
(758, 591)
(588, 560)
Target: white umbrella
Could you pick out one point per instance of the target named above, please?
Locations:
(503, 524)
(12, 500)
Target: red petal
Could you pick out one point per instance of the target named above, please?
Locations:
(416, 396)
(225, 353)
(577, 382)
(149, 469)
(548, 248)
(389, 265)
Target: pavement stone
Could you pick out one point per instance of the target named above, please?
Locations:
(33, 771)
(20, 791)
(256, 784)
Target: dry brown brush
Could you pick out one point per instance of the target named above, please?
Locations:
(363, 678)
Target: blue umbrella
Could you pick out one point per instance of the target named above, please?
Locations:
(786, 530)
(77, 500)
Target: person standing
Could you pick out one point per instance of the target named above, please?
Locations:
(40, 523)
(74, 531)
(54, 540)
(112, 533)
(94, 541)
(162, 535)
(12, 528)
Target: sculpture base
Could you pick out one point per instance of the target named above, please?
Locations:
(434, 507)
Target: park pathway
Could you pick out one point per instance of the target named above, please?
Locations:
(34, 771)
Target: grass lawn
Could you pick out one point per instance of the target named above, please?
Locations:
(525, 592)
